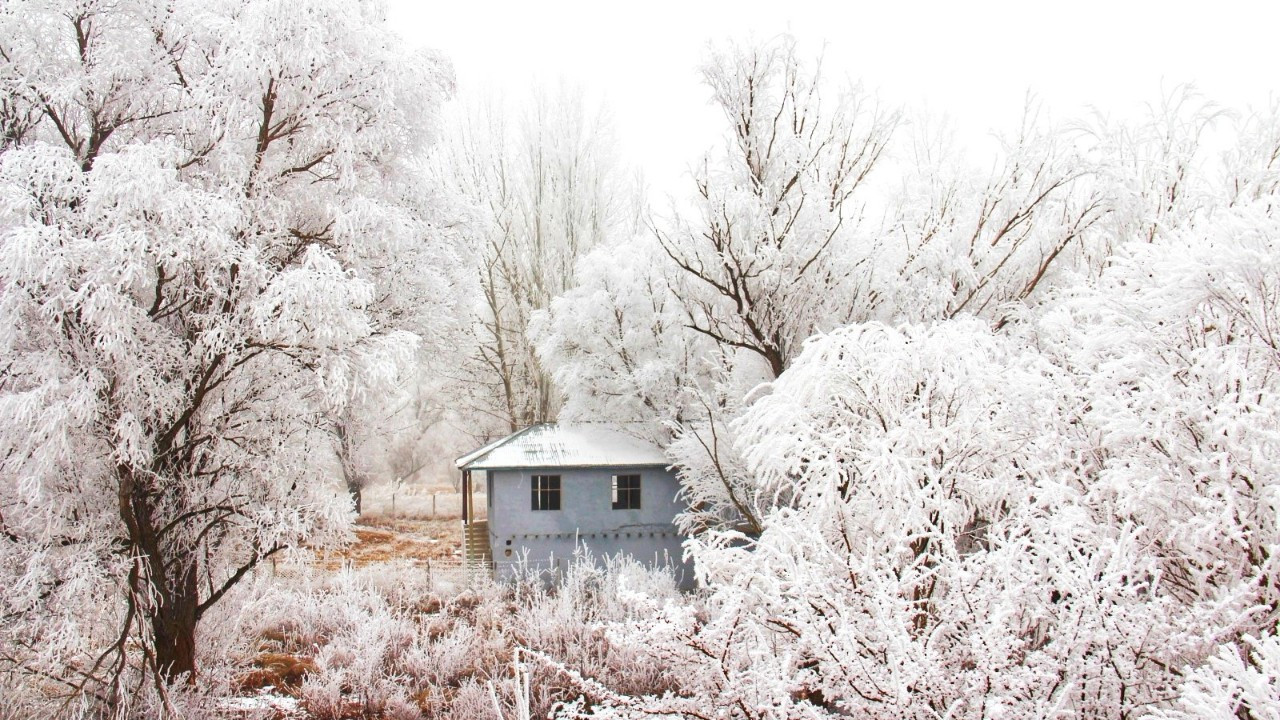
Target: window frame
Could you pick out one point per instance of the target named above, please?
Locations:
(623, 497)
(545, 493)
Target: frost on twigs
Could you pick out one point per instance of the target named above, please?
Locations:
(356, 643)
(1013, 457)
(212, 235)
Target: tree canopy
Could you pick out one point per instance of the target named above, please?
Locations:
(216, 229)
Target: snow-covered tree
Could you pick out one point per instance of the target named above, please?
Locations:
(899, 460)
(779, 246)
(213, 233)
(717, 299)
(616, 341)
(777, 208)
(546, 188)
(1072, 513)
(962, 241)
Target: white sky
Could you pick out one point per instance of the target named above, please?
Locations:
(973, 60)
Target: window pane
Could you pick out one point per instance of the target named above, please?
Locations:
(545, 492)
(626, 492)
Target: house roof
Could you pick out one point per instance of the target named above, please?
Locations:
(553, 445)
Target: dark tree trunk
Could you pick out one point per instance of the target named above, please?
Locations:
(171, 581)
(351, 474)
(356, 489)
(174, 628)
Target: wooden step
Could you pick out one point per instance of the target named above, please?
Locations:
(475, 542)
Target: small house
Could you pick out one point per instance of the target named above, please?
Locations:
(552, 489)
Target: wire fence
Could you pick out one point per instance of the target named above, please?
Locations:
(411, 502)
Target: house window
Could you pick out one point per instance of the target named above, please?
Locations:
(626, 492)
(546, 492)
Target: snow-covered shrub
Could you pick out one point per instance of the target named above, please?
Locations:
(367, 643)
(1238, 681)
(969, 523)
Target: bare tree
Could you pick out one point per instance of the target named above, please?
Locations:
(546, 189)
(778, 245)
(777, 210)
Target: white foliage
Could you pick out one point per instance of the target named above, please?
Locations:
(1034, 478)
(1237, 681)
(545, 188)
(212, 230)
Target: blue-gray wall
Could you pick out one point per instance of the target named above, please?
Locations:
(586, 516)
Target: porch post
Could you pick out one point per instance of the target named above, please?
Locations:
(466, 494)
(471, 498)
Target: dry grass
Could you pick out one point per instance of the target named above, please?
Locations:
(280, 671)
(412, 540)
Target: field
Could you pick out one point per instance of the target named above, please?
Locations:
(409, 524)
(415, 540)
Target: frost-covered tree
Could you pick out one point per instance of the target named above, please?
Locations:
(546, 188)
(617, 341)
(1178, 363)
(717, 299)
(213, 233)
(1072, 513)
(959, 241)
(776, 209)
(779, 245)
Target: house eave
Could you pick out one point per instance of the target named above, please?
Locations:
(623, 466)
(467, 461)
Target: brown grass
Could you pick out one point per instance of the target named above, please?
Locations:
(278, 670)
(382, 539)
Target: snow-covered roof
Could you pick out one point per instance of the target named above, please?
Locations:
(555, 445)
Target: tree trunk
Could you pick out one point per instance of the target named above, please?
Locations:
(356, 488)
(174, 628)
(174, 613)
(351, 475)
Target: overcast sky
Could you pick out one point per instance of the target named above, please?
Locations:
(974, 61)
